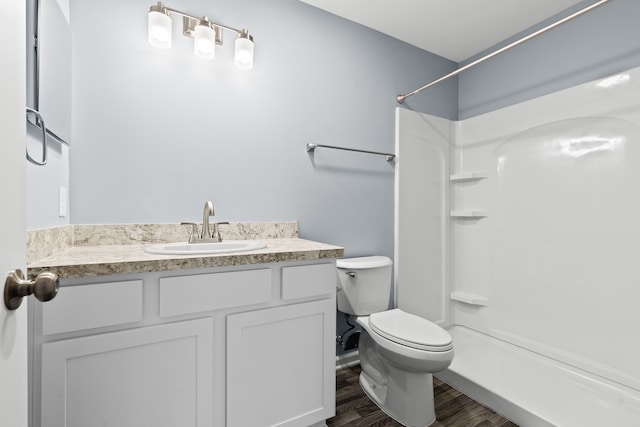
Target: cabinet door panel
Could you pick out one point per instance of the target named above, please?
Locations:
(281, 365)
(157, 376)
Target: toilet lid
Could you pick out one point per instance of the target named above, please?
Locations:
(410, 330)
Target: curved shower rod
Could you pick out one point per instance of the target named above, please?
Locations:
(401, 98)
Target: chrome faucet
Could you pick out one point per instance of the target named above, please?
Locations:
(209, 232)
(206, 228)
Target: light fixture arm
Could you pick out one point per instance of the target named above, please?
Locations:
(193, 20)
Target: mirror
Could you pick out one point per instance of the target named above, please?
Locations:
(49, 66)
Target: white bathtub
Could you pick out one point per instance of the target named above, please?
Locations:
(534, 390)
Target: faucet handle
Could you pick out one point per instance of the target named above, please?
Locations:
(216, 232)
(193, 236)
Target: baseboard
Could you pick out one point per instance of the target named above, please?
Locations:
(347, 360)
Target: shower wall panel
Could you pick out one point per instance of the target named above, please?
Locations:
(546, 239)
(421, 217)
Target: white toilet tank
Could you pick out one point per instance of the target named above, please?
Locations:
(364, 285)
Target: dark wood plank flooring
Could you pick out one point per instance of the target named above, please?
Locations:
(453, 409)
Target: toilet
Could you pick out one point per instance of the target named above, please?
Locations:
(399, 351)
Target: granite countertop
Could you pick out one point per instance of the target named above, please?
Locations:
(89, 260)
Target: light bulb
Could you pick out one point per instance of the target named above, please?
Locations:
(204, 41)
(243, 58)
(159, 27)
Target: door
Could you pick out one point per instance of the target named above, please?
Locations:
(13, 324)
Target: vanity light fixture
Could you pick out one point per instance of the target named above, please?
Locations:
(206, 35)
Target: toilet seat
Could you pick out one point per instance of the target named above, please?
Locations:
(410, 330)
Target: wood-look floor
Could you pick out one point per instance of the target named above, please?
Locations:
(453, 409)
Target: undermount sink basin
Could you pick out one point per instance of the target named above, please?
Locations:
(205, 248)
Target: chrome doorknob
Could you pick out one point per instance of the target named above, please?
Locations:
(44, 287)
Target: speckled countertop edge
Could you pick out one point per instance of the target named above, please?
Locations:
(108, 259)
(91, 261)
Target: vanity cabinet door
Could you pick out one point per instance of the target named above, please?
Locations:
(157, 376)
(281, 365)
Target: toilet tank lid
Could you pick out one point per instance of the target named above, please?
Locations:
(364, 262)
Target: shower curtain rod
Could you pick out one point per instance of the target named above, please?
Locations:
(401, 98)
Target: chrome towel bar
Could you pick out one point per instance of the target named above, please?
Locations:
(312, 147)
(42, 126)
(39, 124)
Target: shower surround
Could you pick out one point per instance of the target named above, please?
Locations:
(527, 218)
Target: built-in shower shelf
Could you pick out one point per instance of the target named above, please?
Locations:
(468, 176)
(469, 298)
(469, 213)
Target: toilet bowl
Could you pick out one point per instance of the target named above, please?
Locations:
(399, 351)
(408, 341)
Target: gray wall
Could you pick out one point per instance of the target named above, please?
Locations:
(156, 133)
(604, 41)
(43, 183)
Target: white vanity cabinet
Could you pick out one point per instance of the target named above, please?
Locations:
(241, 346)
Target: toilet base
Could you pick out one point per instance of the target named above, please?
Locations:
(409, 407)
(405, 396)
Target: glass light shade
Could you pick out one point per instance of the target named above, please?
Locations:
(159, 30)
(204, 42)
(243, 58)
